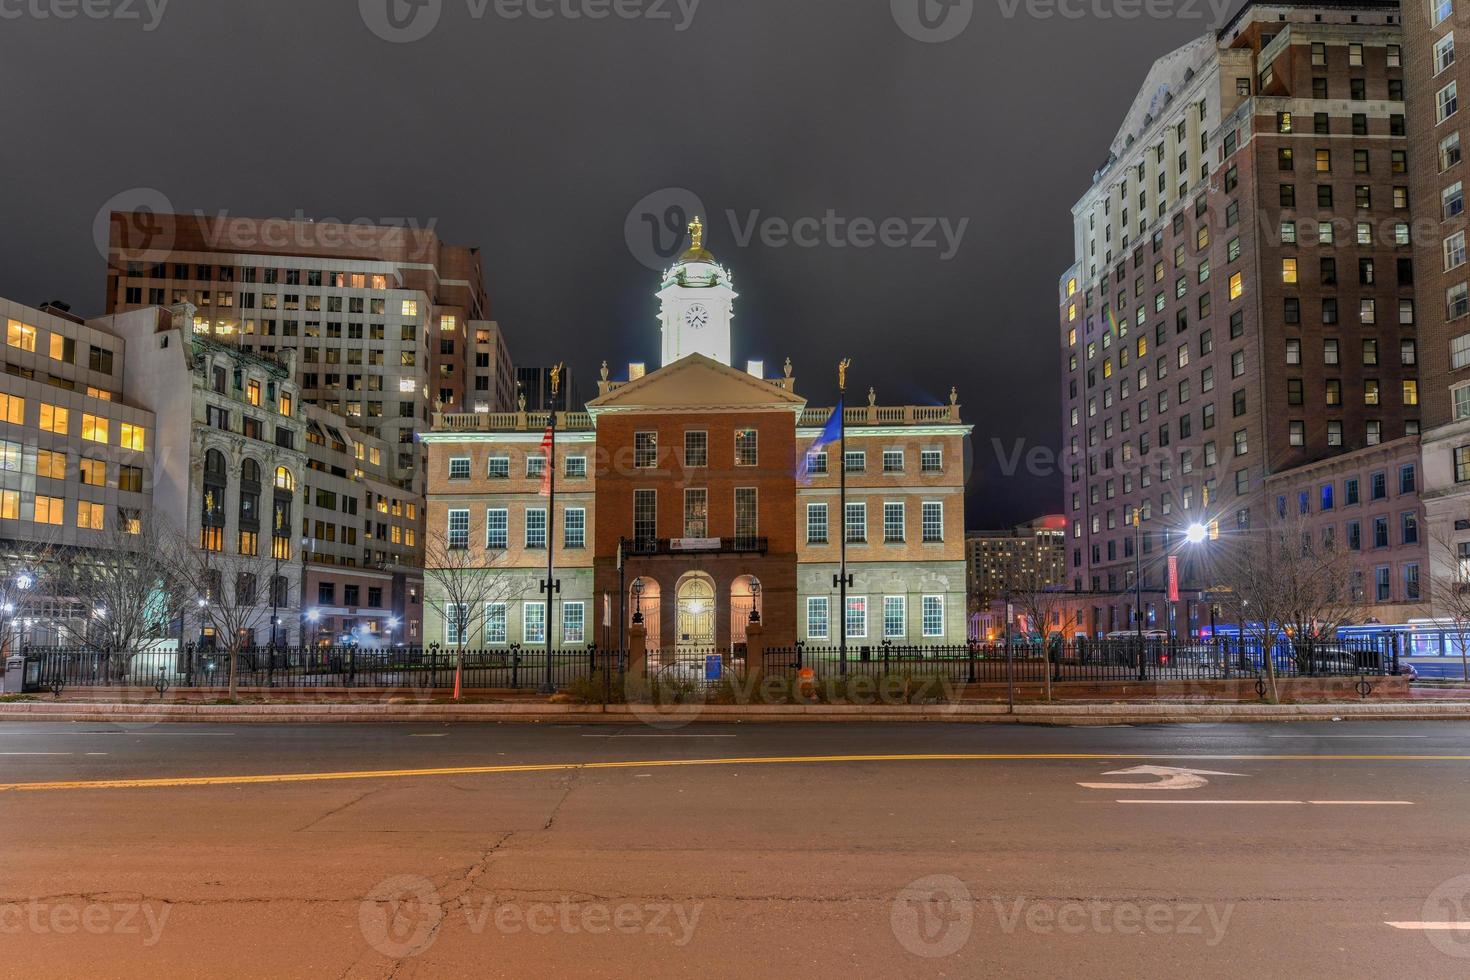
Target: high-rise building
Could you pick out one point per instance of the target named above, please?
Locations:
(1439, 178)
(1242, 301)
(1028, 556)
(387, 322)
(77, 456)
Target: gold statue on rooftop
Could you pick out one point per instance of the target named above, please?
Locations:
(696, 234)
(842, 367)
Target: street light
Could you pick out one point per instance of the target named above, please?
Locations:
(755, 602)
(638, 601)
(1196, 533)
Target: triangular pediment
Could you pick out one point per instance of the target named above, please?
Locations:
(697, 384)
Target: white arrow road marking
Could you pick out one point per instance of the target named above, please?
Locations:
(1276, 802)
(1170, 777)
(1429, 925)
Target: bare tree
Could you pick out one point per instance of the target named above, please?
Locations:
(1050, 612)
(460, 582)
(1297, 583)
(123, 590)
(232, 597)
(1452, 591)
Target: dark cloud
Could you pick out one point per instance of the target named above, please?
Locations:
(534, 139)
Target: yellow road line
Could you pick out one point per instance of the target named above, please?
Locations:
(310, 777)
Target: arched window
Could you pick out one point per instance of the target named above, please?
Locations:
(212, 502)
(249, 506)
(284, 479)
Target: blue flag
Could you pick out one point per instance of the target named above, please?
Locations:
(831, 432)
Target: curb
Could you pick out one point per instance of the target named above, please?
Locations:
(622, 714)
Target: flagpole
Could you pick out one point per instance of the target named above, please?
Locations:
(551, 586)
(843, 579)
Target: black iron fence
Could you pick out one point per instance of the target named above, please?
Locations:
(1091, 660)
(525, 668)
(508, 668)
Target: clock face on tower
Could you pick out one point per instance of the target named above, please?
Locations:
(696, 317)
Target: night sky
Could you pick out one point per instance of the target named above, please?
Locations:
(537, 139)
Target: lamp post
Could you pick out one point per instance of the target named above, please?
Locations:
(755, 600)
(638, 601)
(1138, 585)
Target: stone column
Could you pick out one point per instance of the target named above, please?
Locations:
(637, 650)
(755, 649)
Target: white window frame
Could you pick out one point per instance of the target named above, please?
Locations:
(889, 507)
(1446, 102)
(925, 537)
(857, 611)
(528, 620)
(568, 525)
(812, 509)
(456, 535)
(459, 467)
(813, 604)
(530, 526)
(496, 619)
(1460, 398)
(573, 633)
(452, 624)
(497, 516)
(860, 507)
(930, 602)
(1444, 52)
(890, 604)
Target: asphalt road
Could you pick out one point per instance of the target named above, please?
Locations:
(837, 850)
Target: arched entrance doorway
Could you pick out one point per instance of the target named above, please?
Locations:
(695, 626)
(745, 597)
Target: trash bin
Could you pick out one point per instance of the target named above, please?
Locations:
(15, 672)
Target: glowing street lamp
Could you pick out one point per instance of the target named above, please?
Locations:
(1196, 533)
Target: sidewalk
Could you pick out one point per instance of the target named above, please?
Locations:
(678, 716)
